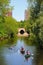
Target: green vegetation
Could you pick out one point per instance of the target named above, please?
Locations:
(8, 25)
(4, 7)
(34, 25)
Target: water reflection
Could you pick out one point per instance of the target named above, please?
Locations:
(39, 59)
(10, 54)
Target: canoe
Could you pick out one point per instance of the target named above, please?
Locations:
(22, 51)
(27, 56)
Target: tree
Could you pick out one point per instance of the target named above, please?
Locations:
(35, 8)
(4, 5)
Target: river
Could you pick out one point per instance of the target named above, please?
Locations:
(10, 53)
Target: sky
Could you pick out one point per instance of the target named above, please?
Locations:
(19, 9)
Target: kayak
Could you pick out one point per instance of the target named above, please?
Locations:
(22, 51)
(27, 56)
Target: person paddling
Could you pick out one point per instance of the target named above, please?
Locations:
(27, 55)
(22, 50)
(27, 52)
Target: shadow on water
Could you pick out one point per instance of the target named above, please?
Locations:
(39, 56)
(10, 52)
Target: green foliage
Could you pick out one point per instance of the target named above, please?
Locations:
(41, 28)
(4, 7)
(31, 40)
(35, 8)
(11, 23)
(21, 24)
(8, 27)
(36, 20)
(27, 26)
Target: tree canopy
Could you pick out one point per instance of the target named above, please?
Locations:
(4, 7)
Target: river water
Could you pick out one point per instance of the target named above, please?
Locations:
(10, 53)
